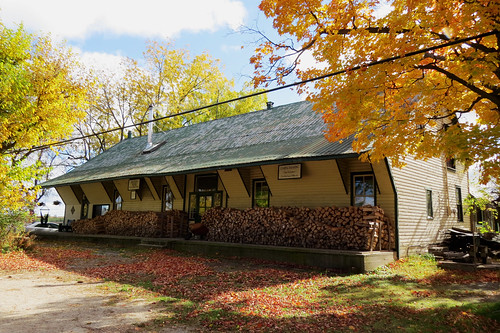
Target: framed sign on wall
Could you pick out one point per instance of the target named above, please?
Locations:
(290, 171)
(134, 184)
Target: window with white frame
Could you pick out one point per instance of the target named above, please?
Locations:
(428, 198)
(460, 210)
(167, 199)
(363, 192)
(117, 203)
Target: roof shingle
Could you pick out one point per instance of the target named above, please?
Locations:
(282, 134)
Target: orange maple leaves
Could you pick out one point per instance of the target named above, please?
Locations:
(384, 105)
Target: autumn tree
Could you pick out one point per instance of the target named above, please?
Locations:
(444, 102)
(176, 83)
(40, 96)
(112, 104)
(171, 80)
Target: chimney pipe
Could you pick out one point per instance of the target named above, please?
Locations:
(150, 128)
(269, 105)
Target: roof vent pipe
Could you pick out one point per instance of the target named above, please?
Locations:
(269, 105)
(150, 128)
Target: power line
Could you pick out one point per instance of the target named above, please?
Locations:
(290, 85)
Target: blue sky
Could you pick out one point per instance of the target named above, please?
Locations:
(103, 31)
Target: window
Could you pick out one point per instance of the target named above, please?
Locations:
(430, 210)
(363, 190)
(99, 210)
(460, 211)
(200, 202)
(206, 183)
(167, 199)
(260, 193)
(480, 215)
(117, 203)
(450, 163)
(84, 213)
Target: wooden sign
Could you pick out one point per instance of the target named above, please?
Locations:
(134, 184)
(290, 171)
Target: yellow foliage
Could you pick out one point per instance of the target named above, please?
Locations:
(171, 80)
(40, 100)
(442, 102)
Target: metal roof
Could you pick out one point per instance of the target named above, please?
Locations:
(288, 133)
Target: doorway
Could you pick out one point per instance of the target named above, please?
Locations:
(200, 202)
(206, 196)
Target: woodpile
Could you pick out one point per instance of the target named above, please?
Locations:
(349, 228)
(89, 226)
(140, 224)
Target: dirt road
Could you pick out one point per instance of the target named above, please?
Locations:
(55, 301)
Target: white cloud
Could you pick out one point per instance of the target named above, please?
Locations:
(383, 8)
(231, 48)
(308, 61)
(146, 18)
(98, 61)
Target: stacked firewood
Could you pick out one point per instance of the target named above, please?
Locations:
(353, 228)
(90, 226)
(139, 224)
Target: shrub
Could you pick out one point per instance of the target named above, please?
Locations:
(12, 235)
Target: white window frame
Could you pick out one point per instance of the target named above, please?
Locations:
(353, 189)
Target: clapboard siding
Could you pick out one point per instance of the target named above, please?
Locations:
(122, 188)
(385, 191)
(239, 188)
(143, 202)
(142, 205)
(416, 230)
(233, 183)
(320, 185)
(72, 212)
(67, 195)
(96, 193)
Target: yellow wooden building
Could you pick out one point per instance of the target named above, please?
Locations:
(274, 157)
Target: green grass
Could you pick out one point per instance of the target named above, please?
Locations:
(399, 297)
(56, 219)
(490, 310)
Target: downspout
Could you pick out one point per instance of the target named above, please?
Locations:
(471, 222)
(396, 215)
(185, 194)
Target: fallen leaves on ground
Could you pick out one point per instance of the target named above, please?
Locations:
(48, 258)
(256, 296)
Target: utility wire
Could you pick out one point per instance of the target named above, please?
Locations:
(290, 85)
